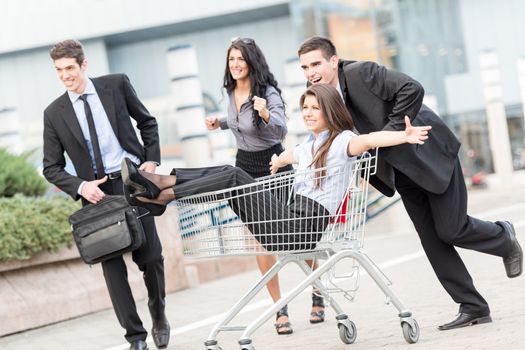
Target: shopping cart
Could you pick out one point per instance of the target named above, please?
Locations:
(256, 219)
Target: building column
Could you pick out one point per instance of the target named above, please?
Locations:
(189, 111)
(521, 78)
(496, 117)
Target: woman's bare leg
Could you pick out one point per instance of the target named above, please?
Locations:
(314, 315)
(265, 262)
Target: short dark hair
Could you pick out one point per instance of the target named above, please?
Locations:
(69, 48)
(318, 43)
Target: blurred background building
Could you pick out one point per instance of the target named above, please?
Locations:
(468, 54)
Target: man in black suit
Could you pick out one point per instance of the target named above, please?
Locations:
(428, 177)
(91, 123)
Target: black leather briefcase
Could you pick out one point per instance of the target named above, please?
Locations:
(107, 229)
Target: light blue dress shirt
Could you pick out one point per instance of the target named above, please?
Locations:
(339, 168)
(112, 152)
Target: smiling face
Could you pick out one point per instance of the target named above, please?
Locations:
(237, 64)
(318, 69)
(313, 117)
(71, 74)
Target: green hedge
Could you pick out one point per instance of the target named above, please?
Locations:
(18, 176)
(30, 224)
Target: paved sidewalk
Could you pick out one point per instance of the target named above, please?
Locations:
(392, 243)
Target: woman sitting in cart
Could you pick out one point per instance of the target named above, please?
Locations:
(320, 181)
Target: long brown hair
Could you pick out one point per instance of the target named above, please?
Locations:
(336, 116)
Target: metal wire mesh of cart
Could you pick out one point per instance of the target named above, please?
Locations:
(281, 213)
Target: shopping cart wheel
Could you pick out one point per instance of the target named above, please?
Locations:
(212, 345)
(411, 333)
(246, 344)
(347, 334)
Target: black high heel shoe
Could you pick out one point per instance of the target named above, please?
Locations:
(142, 187)
(153, 208)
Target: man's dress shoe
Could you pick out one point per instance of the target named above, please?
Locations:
(161, 333)
(138, 345)
(464, 320)
(514, 261)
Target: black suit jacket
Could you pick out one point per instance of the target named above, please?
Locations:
(62, 132)
(378, 99)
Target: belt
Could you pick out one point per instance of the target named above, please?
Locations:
(113, 176)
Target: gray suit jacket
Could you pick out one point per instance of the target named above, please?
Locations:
(378, 99)
(62, 132)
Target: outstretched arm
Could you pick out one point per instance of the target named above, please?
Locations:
(411, 134)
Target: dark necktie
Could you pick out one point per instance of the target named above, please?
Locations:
(94, 139)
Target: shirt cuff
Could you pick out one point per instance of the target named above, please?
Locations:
(79, 191)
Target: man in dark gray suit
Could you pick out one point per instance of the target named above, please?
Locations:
(428, 177)
(91, 123)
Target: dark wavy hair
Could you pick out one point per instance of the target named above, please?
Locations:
(260, 75)
(336, 116)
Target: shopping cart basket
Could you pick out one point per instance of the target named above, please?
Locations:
(275, 215)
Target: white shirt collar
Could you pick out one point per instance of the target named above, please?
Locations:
(322, 135)
(338, 88)
(89, 90)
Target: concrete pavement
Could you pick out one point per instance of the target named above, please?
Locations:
(392, 243)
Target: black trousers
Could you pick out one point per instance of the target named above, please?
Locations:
(275, 225)
(150, 261)
(442, 222)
